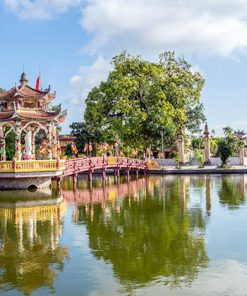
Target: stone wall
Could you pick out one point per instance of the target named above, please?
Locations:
(24, 183)
(166, 162)
(215, 161)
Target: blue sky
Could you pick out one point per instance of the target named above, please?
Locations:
(72, 41)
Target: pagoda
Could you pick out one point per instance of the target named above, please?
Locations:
(24, 109)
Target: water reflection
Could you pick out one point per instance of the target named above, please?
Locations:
(148, 234)
(30, 227)
(142, 237)
(232, 191)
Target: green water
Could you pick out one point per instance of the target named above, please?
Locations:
(172, 235)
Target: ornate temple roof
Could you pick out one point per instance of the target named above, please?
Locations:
(241, 134)
(17, 110)
(25, 91)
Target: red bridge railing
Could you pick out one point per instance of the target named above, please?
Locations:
(89, 164)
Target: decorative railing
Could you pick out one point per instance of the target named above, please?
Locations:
(73, 166)
(24, 166)
(87, 164)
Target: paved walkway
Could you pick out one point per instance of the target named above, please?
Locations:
(197, 170)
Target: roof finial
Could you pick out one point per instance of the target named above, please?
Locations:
(23, 79)
(206, 131)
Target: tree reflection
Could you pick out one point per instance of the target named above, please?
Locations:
(30, 254)
(152, 237)
(232, 191)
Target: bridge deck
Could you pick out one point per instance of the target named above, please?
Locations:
(79, 165)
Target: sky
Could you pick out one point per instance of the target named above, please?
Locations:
(71, 43)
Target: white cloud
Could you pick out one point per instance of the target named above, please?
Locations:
(234, 124)
(152, 26)
(87, 78)
(39, 9)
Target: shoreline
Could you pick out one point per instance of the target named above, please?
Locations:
(195, 170)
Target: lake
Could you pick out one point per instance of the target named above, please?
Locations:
(156, 235)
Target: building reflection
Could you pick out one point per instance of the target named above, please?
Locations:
(208, 193)
(144, 229)
(30, 228)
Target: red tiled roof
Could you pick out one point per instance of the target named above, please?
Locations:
(28, 115)
(66, 138)
(6, 115)
(25, 91)
(36, 114)
(28, 91)
(8, 93)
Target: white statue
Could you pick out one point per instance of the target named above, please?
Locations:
(28, 142)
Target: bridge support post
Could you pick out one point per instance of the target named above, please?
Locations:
(117, 172)
(75, 180)
(137, 173)
(59, 183)
(128, 174)
(90, 175)
(104, 174)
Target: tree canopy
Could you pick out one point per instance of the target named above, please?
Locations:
(229, 145)
(84, 134)
(141, 99)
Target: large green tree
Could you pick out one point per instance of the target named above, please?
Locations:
(141, 99)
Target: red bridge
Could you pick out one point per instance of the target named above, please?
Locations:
(90, 164)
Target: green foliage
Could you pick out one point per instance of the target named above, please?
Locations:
(232, 194)
(68, 151)
(196, 141)
(10, 145)
(1, 90)
(140, 98)
(228, 146)
(214, 146)
(228, 131)
(84, 134)
(176, 158)
(200, 157)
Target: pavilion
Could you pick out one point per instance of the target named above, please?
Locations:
(27, 110)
